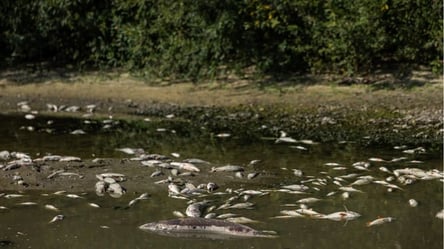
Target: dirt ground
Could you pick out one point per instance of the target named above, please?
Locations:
(120, 93)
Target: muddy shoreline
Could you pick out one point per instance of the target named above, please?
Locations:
(389, 112)
(323, 112)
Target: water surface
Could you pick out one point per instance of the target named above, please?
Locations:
(114, 225)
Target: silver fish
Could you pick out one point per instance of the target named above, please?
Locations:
(195, 209)
(350, 189)
(93, 205)
(380, 221)
(57, 218)
(241, 220)
(227, 168)
(342, 216)
(28, 203)
(242, 205)
(52, 207)
(185, 166)
(413, 203)
(308, 200)
(296, 187)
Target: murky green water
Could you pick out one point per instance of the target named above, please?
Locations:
(114, 225)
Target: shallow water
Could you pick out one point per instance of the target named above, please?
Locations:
(83, 226)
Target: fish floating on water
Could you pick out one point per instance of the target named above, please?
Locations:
(206, 228)
(380, 221)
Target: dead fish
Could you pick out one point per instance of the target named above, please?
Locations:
(196, 161)
(241, 220)
(223, 135)
(384, 169)
(297, 172)
(254, 162)
(52, 207)
(252, 175)
(239, 174)
(115, 190)
(291, 213)
(310, 213)
(362, 181)
(29, 203)
(202, 227)
(252, 192)
(70, 174)
(116, 176)
(413, 203)
(156, 173)
(299, 147)
(57, 218)
(173, 189)
(296, 187)
(440, 214)
(151, 163)
(380, 221)
(74, 196)
(376, 159)
(143, 196)
(307, 141)
(70, 159)
(179, 214)
(308, 200)
(242, 205)
(350, 189)
(345, 195)
(94, 205)
(210, 216)
(185, 166)
(51, 158)
(78, 132)
(226, 215)
(100, 188)
(332, 164)
(130, 151)
(227, 168)
(286, 140)
(9, 196)
(4, 155)
(349, 176)
(195, 209)
(342, 216)
(211, 186)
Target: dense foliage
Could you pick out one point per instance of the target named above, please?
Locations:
(192, 39)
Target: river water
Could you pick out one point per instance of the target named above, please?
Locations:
(115, 225)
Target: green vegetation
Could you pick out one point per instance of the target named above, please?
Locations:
(188, 39)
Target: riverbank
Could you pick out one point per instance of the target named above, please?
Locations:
(384, 110)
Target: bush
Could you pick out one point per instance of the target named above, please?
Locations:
(192, 39)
